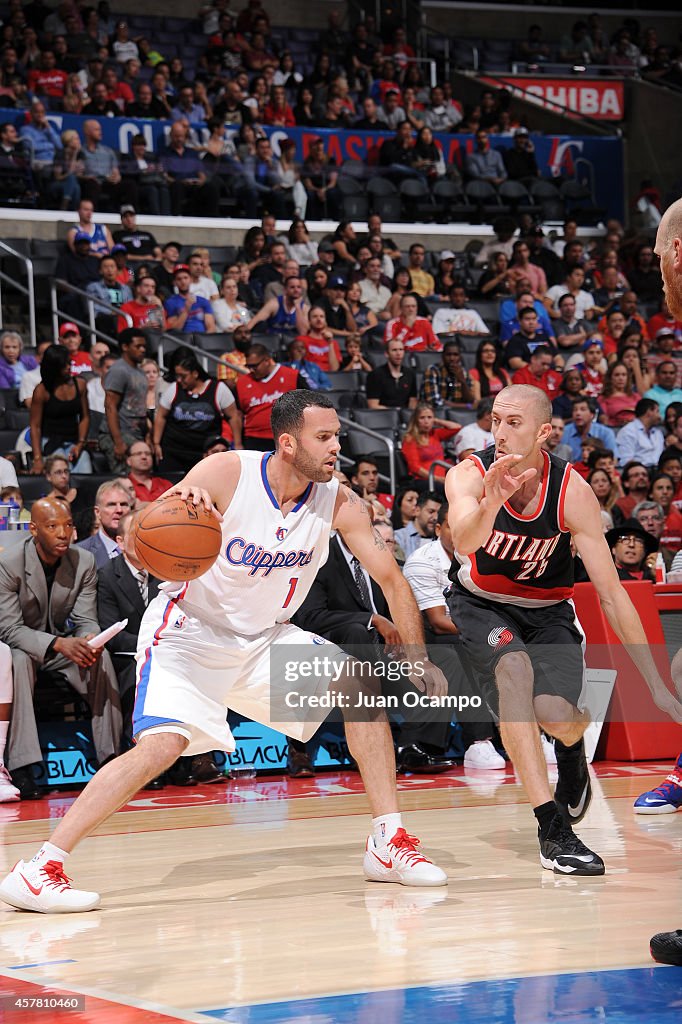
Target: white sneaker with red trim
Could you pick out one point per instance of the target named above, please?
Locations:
(401, 861)
(45, 889)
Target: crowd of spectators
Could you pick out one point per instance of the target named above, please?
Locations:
(629, 49)
(215, 156)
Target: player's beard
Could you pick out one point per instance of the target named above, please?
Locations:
(309, 467)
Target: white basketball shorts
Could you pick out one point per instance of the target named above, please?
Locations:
(189, 672)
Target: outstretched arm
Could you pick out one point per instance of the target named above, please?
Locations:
(475, 500)
(583, 519)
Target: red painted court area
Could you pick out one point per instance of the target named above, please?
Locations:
(22, 1002)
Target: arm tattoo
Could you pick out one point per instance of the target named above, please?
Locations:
(378, 540)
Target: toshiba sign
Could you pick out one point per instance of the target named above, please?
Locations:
(594, 97)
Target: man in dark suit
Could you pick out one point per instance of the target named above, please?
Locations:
(48, 611)
(124, 589)
(346, 606)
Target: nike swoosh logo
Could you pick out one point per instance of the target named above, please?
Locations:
(36, 892)
(386, 863)
(575, 811)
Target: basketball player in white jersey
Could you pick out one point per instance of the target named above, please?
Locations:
(513, 510)
(205, 646)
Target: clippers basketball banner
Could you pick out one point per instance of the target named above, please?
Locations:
(602, 99)
(556, 155)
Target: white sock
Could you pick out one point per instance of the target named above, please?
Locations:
(48, 851)
(385, 827)
(4, 727)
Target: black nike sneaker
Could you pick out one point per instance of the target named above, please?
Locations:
(562, 852)
(573, 793)
(666, 948)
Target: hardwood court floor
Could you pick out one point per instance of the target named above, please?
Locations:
(246, 903)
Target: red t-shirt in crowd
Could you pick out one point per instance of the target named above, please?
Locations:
(257, 397)
(658, 320)
(418, 455)
(317, 351)
(159, 485)
(47, 83)
(550, 382)
(417, 338)
(143, 315)
(80, 363)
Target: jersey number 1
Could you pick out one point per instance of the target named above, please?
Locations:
(292, 587)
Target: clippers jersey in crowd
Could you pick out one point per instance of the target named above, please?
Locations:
(526, 560)
(267, 562)
(257, 397)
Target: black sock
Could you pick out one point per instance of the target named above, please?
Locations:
(564, 749)
(545, 815)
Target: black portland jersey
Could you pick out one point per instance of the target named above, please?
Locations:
(526, 560)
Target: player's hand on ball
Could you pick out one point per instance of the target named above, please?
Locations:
(194, 496)
(431, 681)
(501, 482)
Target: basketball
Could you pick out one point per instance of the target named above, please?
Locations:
(175, 540)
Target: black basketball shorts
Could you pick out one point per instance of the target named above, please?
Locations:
(550, 636)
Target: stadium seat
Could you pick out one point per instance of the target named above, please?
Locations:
(547, 194)
(382, 420)
(518, 197)
(485, 197)
(452, 201)
(417, 201)
(385, 198)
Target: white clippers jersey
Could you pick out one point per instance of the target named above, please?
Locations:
(267, 562)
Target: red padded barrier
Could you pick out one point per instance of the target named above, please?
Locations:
(636, 730)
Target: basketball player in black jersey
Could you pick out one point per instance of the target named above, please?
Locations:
(513, 511)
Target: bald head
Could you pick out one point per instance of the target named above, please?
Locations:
(45, 509)
(52, 528)
(534, 401)
(669, 249)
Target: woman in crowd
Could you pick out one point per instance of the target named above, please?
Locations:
(365, 318)
(402, 285)
(290, 178)
(13, 365)
(60, 415)
(189, 412)
(673, 437)
(318, 286)
(427, 156)
(619, 397)
(252, 251)
(303, 111)
(423, 441)
(246, 142)
(287, 75)
(150, 369)
(299, 245)
(607, 493)
(487, 376)
(258, 98)
(229, 312)
(633, 361)
(572, 385)
(404, 507)
(495, 282)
